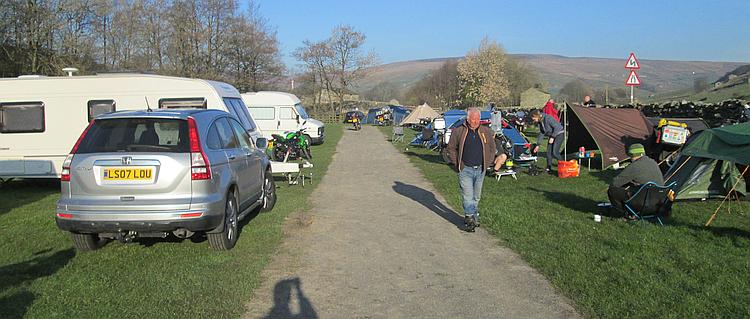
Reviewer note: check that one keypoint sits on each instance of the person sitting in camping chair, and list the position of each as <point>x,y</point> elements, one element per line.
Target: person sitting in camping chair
<point>641,170</point>
<point>501,154</point>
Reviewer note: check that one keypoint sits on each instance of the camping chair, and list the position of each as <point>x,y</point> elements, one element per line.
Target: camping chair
<point>398,134</point>
<point>651,200</point>
<point>427,135</point>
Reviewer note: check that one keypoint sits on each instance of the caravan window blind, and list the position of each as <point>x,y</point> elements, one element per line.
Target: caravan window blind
<point>22,117</point>
<point>181,103</point>
<point>99,107</point>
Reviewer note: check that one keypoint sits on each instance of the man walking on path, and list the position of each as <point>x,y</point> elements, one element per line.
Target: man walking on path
<point>471,150</point>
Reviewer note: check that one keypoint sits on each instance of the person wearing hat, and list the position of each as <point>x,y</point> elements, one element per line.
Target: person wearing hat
<point>641,170</point>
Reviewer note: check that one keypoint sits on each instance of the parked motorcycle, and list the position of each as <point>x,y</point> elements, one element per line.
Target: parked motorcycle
<point>291,146</point>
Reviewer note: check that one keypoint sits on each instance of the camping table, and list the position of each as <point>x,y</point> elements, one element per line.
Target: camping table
<point>511,173</point>
<point>587,158</point>
<point>292,171</point>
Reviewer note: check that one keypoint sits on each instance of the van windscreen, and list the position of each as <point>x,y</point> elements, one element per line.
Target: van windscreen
<point>136,135</point>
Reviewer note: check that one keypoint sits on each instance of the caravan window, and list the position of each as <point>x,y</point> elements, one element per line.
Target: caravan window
<point>181,103</point>
<point>22,117</point>
<point>99,107</point>
<point>263,113</point>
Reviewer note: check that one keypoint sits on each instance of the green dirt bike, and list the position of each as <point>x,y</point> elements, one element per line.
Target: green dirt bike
<point>291,146</point>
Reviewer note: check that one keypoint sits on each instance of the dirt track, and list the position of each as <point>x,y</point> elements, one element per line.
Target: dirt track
<point>379,242</point>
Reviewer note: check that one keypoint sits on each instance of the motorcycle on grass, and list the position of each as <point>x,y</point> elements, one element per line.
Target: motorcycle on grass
<point>291,146</point>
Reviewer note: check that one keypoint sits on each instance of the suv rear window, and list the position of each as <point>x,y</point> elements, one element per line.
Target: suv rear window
<point>136,135</point>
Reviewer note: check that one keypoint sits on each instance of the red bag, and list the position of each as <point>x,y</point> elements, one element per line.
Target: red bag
<point>567,169</point>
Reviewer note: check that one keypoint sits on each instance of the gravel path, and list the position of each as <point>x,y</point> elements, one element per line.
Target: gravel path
<point>379,242</point>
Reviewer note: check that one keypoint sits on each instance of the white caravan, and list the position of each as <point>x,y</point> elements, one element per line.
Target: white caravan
<point>279,112</point>
<point>42,117</point>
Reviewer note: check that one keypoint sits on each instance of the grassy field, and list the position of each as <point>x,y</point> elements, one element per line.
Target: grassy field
<point>41,275</point>
<point>613,269</point>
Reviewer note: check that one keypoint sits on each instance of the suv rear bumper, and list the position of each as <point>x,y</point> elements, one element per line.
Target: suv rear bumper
<point>86,222</point>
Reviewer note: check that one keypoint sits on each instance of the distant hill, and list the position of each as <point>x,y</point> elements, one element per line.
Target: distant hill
<point>735,84</point>
<point>658,76</point>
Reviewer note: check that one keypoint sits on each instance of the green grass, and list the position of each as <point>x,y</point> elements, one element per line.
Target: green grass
<point>41,275</point>
<point>613,269</point>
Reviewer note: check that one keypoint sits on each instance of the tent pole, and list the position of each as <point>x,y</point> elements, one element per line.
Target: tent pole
<point>713,216</point>
<point>679,168</point>
<point>565,129</point>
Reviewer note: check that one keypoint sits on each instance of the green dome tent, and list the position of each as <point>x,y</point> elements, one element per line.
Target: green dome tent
<point>713,164</point>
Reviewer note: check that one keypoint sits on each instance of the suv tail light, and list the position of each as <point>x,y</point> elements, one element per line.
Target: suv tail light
<point>65,173</point>
<point>199,165</point>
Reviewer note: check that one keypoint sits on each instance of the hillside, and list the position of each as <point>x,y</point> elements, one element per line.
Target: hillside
<point>658,76</point>
<point>732,85</point>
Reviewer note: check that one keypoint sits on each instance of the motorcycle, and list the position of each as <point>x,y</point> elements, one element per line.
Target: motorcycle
<point>291,146</point>
<point>357,124</point>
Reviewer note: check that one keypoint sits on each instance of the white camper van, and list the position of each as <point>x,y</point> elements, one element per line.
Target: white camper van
<point>279,112</point>
<point>41,117</point>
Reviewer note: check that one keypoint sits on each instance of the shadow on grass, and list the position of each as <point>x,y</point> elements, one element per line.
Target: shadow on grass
<point>570,200</point>
<point>432,157</point>
<point>605,176</point>
<point>19,274</point>
<point>282,301</point>
<point>728,232</point>
<point>17,193</point>
<point>427,199</point>
<point>197,237</point>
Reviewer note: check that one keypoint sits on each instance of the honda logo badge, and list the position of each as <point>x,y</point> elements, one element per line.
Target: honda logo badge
<point>126,160</point>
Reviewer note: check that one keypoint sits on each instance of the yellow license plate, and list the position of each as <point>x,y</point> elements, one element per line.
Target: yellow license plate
<point>128,174</point>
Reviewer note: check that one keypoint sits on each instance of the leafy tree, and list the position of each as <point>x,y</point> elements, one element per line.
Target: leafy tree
<point>482,75</point>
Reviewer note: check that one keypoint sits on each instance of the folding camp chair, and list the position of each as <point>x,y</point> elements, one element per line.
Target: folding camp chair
<point>398,134</point>
<point>651,201</point>
<point>427,135</point>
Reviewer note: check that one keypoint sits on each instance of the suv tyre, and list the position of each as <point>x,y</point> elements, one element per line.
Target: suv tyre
<point>227,238</point>
<point>269,193</point>
<point>85,242</point>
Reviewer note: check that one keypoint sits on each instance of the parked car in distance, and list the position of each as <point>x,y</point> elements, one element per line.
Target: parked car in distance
<point>151,173</point>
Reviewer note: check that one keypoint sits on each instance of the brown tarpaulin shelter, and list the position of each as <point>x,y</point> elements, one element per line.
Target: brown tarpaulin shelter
<point>608,130</point>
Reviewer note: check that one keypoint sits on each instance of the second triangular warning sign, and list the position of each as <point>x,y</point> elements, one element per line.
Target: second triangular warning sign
<point>633,79</point>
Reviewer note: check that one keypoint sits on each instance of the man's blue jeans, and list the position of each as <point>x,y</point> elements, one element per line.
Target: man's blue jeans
<point>470,180</point>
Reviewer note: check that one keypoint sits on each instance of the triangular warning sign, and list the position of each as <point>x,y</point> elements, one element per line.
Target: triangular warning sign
<point>633,79</point>
<point>632,62</point>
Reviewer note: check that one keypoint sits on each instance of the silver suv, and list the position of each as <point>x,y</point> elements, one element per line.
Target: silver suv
<point>151,173</point>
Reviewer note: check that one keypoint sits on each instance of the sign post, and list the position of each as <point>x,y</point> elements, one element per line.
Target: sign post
<point>633,79</point>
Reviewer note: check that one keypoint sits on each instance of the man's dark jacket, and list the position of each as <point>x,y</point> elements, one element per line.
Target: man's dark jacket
<point>640,172</point>
<point>456,145</point>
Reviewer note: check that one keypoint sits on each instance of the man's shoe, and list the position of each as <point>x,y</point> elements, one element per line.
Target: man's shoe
<point>469,224</point>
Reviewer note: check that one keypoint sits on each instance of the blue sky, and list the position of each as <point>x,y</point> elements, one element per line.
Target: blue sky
<point>407,30</point>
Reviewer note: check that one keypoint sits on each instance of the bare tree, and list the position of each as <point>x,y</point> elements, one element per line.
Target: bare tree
<point>337,62</point>
<point>349,60</point>
<point>209,39</point>
<point>440,88</point>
